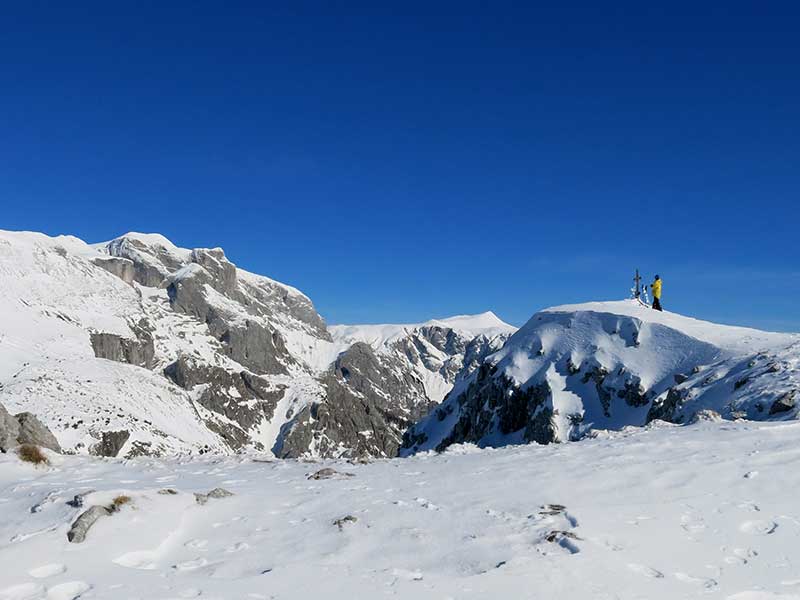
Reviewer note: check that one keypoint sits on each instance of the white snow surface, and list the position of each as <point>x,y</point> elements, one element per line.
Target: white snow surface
<point>731,339</point>
<point>701,511</point>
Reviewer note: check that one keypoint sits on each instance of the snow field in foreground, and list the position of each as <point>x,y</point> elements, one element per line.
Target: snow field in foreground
<point>707,511</point>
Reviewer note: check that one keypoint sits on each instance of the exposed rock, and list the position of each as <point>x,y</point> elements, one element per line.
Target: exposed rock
<point>215,493</point>
<point>328,473</point>
<point>121,267</point>
<point>552,509</point>
<point>369,405</point>
<point>111,443</point>
<point>139,351</point>
<point>496,405</point>
<point>78,500</point>
<point>80,528</point>
<point>168,492</point>
<point>556,536</point>
<point>244,398</point>
<point>667,409</point>
<point>9,430</point>
<point>707,415</point>
<point>140,448</point>
<point>33,431</point>
<point>152,263</point>
<point>340,523</point>
<point>783,404</point>
<point>250,343</point>
<point>221,270</point>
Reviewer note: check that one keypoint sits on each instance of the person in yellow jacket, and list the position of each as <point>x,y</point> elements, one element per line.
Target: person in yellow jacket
<point>656,287</point>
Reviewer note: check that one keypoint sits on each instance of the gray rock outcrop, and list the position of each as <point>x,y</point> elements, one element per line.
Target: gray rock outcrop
<point>246,400</point>
<point>784,403</point>
<point>139,351</point>
<point>216,493</point>
<point>9,430</point>
<point>111,443</point>
<point>121,267</point>
<point>24,428</point>
<point>368,407</point>
<point>80,528</point>
<point>33,431</point>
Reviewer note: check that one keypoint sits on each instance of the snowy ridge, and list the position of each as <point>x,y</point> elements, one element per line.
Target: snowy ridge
<point>607,365</point>
<point>382,335</point>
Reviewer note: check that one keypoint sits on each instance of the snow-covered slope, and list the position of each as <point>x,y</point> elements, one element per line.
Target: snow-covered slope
<point>611,364</point>
<point>177,350</point>
<point>667,512</point>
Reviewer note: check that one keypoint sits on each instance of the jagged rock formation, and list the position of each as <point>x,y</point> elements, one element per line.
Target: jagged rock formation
<point>609,365</point>
<point>136,346</point>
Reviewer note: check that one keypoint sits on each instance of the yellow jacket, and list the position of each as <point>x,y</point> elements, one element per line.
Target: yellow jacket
<point>656,289</point>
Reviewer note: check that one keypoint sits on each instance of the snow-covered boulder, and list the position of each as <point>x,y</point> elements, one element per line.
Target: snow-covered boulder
<point>607,366</point>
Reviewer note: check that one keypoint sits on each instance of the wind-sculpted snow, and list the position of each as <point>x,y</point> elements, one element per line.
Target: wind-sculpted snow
<point>661,513</point>
<point>136,346</point>
<point>578,368</point>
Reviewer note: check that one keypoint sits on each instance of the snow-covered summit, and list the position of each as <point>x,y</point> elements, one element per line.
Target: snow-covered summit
<point>605,365</point>
<point>487,324</point>
<point>727,337</point>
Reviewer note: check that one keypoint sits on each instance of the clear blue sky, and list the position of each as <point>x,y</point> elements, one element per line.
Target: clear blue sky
<point>398,162</point>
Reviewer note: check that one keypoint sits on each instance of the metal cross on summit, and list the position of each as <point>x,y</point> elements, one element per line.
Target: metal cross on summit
<point>637,291</point>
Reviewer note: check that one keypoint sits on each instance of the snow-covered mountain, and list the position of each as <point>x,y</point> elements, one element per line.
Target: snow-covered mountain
<point>136,346</point>
<point>441,351</point>
<point>574,369</point>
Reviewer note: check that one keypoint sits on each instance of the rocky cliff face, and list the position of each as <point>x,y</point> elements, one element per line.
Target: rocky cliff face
<point>576,369</point>
<point>136,346</point>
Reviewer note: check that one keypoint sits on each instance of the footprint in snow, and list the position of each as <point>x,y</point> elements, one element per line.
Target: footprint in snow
<point>758,527</point>
<point>706,582</point>
<point>237,547</point>
<point>72,590</point>
<point>645,570</point>
<point>47,571</point>
<point>196,544</point>
<point>191,565</point>
<point>142,559</point>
